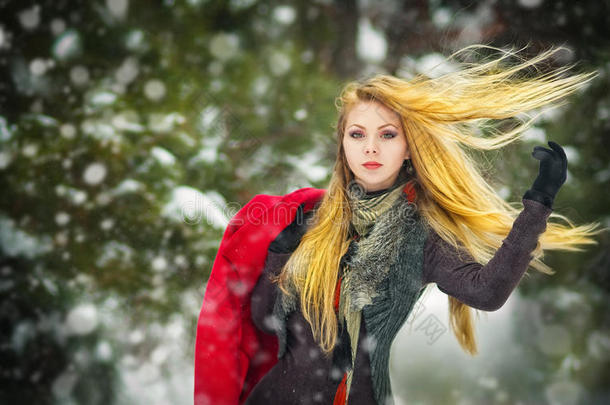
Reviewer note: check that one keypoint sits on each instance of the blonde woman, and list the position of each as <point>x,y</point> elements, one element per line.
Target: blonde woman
<point>302,308</point>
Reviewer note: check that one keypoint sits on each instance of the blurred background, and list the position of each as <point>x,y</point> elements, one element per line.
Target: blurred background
<point>131,131</point>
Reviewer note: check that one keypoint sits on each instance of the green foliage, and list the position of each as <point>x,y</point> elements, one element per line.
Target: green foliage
<point>222,100</point>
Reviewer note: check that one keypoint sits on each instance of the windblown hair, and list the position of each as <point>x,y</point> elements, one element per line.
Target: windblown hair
<point>441,117</point>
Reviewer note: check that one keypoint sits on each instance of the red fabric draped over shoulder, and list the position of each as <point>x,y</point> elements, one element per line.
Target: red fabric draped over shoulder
<point>231,354</point>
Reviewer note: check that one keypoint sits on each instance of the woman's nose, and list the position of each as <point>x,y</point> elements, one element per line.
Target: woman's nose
<point>370,147</point>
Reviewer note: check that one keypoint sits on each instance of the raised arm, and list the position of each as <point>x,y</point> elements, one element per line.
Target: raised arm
<point>486,287</point>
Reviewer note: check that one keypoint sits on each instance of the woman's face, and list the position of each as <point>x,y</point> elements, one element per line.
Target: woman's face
<point>375,145</point>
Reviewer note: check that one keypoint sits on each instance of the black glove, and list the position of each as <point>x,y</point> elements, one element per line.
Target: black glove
<point>552,174</point>
<point>290,237</point>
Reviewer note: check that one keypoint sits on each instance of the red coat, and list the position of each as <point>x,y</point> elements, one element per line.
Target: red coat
<point>231,354</point>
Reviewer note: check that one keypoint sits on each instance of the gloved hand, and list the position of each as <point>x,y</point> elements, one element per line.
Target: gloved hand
<point>290,237</point>
<point>551,176</point>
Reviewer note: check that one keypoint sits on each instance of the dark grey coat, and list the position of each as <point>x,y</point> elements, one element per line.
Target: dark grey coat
<point>304,376</point>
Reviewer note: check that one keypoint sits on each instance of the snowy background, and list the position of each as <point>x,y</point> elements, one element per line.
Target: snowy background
<point>132,131</point>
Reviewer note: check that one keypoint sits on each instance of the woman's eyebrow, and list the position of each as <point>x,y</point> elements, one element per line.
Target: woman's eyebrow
<point>379,127</point>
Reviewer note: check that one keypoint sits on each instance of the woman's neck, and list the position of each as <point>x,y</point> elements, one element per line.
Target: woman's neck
<point>401,179</point>
<point>378,192</point>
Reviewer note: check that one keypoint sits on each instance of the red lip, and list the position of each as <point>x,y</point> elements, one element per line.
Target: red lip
<point>372,165</point>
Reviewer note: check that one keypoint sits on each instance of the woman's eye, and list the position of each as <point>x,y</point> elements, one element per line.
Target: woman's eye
<point>385,135</point>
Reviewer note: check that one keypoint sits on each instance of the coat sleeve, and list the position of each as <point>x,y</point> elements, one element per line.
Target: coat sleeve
<point>486,287</point>
<point>265,293</point>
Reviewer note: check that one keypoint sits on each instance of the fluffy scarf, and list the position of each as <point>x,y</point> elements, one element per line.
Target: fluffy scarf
<point>366,263</point>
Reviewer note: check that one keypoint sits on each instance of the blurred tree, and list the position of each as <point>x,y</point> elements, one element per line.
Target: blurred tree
<point>131,131</point>
<point>46,359</point>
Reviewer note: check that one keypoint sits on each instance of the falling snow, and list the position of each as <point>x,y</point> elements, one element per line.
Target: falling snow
<point>79,75</point>
<point>38,67</point>
<point>30,18</point>
<point>300,114</point>
<point>57,26</point>
<point>62,218</point>
<point>5,159</point>
<point>128,71</point>
<point>67,45</point>
<point>64,384</point>
<point>30,150</point>
<point>441,17</point>
<point>94,173</point>
<point>104,351</point>
<point>118,8</point>
<point>260,85</point>
<point>284,14</point>
<point>154,90</point>
<point>135,40</point>
<point>530,3</point>
<point>107,224</point>
<point>68,131</point>
<point>5,38</point>
<point>82,319</point>
<point>159,264</point>
<point>224,46</point>
<point>83,108</point>
<point>279,63</point>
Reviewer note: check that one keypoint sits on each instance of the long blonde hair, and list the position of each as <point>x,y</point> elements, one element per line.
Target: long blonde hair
<point>441,117</point>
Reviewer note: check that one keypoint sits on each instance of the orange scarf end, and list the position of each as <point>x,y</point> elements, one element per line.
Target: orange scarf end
<point>341,392</point>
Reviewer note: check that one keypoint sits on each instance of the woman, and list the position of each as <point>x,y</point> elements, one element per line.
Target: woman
<point>406,207</point>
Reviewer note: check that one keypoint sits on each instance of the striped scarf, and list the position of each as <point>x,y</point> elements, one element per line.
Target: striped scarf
<point>366,208</point>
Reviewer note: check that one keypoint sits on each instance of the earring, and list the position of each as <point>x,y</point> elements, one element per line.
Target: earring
<point>409,166</point>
